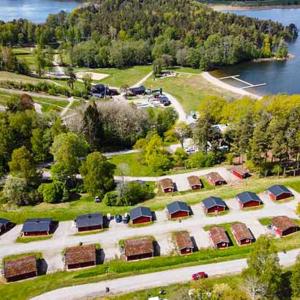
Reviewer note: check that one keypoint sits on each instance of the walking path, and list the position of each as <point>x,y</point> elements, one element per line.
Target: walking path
<point>139,83</point>
<point>66,109</point>
<point>157,279</point>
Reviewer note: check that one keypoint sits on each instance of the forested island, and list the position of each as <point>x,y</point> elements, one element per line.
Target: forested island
<point>122,33</point>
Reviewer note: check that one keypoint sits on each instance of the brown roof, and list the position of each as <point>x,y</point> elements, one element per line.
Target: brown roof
<point>283,223</point>
<point>183,240</point>
<point>80,254</point>
<point>218,235</point>
<point>214,176</point>
<point>240,170</point>
<point>194,180</point>
<point>241,232</point>
<point>166,183</point>
<point>20,266</point>
<point>138,246</point>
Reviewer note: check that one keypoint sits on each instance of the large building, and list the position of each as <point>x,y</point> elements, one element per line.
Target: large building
<point>248,199</point>
<point>279,192</point>
<point>283,226</point>
<point>89,222</point>
<point>20,268</point>
<point>80,256</point>
<point>178,209</point>
<point>141,214</point>
<point>138,248</point>
<point>242,234</point>
<point>39,226</point>
<point>214,205</point>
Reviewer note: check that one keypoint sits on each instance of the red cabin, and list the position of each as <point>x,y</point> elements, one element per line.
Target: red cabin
<point>219,237</point>
<point>283,226</point>
<point>279,192</point>
<point>242,234</point>
<point>141,214</point>
<point>184,242</point>
<point>178,209</point>
<point>240,172</point>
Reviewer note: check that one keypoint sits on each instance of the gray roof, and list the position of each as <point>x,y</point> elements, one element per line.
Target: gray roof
<point>278,189</point>
<point>247,197</point>
<point>89,220</point>
<point>37,225</point>
<point>177,206</point>
<point>4,221</point>
<point>213,201</point>
<point>140,211</point>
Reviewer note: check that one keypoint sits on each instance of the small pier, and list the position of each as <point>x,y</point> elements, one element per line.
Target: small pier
<point>248,85</point>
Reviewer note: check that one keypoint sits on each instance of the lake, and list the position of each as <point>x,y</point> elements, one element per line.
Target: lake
<point>280,76</point>
<point>34,10</point>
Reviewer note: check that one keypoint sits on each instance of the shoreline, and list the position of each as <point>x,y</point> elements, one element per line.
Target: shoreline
<point>230,7</point>
<point>217,82</point>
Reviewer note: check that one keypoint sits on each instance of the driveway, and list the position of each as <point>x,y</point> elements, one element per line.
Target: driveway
<point>161,230</point>
<point>157,279</point>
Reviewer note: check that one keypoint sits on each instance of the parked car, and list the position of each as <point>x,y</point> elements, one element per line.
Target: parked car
<point>199,275</point>
<point>97,199</point>
<point>126,219</point>
<point>118,218</point>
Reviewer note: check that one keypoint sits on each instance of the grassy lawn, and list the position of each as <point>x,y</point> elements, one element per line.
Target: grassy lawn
<point>121,77</point>
<point>9,76</point>
<point>70,210</point>
<point>29,239</point>
<point>25,55</point>
<point>118,268</point>
<point>189,89</point>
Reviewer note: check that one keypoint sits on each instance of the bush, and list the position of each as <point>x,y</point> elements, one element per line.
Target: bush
<point>52,192</point>
<point>111,198</point>
<point>201,160</point>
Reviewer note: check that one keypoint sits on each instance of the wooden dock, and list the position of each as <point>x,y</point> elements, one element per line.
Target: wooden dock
<point>248,85</point>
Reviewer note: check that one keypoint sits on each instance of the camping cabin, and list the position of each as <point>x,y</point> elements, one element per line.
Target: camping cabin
<point>219,237</point>
<point>240,172</point>
<point>242,234</point>
<point>283,226</point>
<point>35,227</point>
<point>89,222</point>
<point>214,205</point>
<point>138,248</point>
<point>178,209</point>
<point>20,268</point>
<point>184,242</point>
<point>166,185</point>
<point>195,182</point>
<point>215,178</point>
<point>279,192</point>
<point>248,199</point>
<point>141,214</point>
<point>80,256</point>
<point>5,225</point>
<point>135,91</point>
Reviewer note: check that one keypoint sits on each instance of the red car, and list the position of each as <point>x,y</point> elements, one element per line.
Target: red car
<point>199,275</point>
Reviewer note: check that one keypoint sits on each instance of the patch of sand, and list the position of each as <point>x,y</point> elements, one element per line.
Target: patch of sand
<point>94,76</point>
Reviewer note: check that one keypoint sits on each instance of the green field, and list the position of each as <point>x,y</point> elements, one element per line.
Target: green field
<point>70,210</point>
<point>121,77</point>
<point>26,55</point>
<point>189,89</point>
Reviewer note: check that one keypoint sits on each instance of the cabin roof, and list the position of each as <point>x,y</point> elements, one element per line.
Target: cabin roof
<point>89,220</point>
<point>245,197</point>
<point>20,266</point>
<point>140,211</point>
<point>213,201</point>
<point>138,246</point>
<point>177,206</point>
<point>37,225</point>
<point>80,254</point>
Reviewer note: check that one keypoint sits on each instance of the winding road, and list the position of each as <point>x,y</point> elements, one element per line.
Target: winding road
<point>157,279</point>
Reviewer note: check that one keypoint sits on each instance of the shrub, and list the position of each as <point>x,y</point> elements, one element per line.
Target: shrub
<point>201,160</point>
<point>52,192</point>
<point>111,198</point>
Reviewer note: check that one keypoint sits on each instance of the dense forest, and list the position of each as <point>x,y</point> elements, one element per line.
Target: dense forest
<point>118,33</point>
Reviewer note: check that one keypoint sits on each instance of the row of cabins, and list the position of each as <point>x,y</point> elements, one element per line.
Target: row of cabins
<point>141,248</point>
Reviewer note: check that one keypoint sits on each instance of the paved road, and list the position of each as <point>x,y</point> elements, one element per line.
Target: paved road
<point>182,117</point>
<point>157,279</point>
<point>161,229</point>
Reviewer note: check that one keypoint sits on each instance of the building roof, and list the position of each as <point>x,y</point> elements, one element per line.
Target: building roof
<point>245,197</point>
<point>218,235</point>
<point>183,240</point>
<point>194,180</point>
<point>37,225</point>
<point>140,211</point>
<point>279,189</point>
<point>240,170</point>
<point>213,201</point>
<point>214,176</point>
<point>166,183</point>
<point>89,220</point>
<point>80,254</point>
<point>20,266</point>
<point>283,223</point>
<point>241,231</point>
<point>4,221</point>
<point>138,89</point>
<point>138,246</point>
<point>177,206</point>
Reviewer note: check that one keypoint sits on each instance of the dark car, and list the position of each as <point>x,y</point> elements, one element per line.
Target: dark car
<point>126,219</point>
<point>118,218</point>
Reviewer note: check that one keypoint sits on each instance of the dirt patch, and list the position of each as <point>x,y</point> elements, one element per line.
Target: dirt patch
<point>94,76</point>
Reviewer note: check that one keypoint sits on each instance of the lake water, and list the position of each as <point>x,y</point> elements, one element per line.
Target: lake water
<point>34,10</point>
<point>280,76</point>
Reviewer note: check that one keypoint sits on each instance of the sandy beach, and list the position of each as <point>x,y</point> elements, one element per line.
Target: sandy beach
<point>215,81</point>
